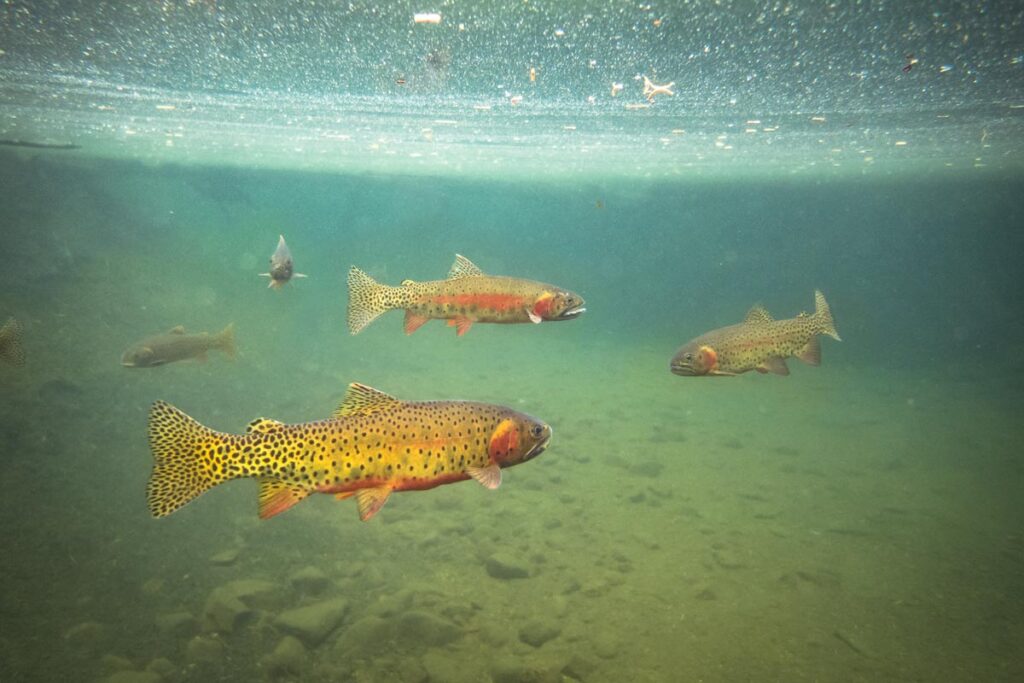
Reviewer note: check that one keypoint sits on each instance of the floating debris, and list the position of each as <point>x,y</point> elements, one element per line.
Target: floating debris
<point>652,89</point>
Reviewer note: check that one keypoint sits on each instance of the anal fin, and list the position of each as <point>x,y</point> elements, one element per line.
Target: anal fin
<point>371,500</point>
<point>413,321</point>
<point>462,326</point>
<point>775,365</point>
<point>811,352</point>
<point>276,496</point>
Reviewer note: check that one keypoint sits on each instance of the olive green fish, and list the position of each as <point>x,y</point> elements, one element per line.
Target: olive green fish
<point>176,345</point>
<point>465,297</point>
<point>372,445</point>
<point>758,343</point>
<point>11,350</point>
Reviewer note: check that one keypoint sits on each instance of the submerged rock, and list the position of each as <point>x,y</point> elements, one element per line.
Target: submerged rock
<point>536,632</point>
<point>287,659</point>
<point>89,635</point>
<point>441,666</point>
<point>516,672</point>
<point>362,635</point>
<point>162,666</point>
<point>309,580</point>
<point>204,649</point>
<point>230,606</point>
<point>134,677</point>
<point>225,557</point>
<point>115,663</point>
<point>225,612</point>
<point>425,629</point>
<point>176,624</point>
<point>504,566</point>
<point>314,622</point>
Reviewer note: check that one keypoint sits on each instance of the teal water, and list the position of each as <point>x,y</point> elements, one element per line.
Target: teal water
<point>855,521</point>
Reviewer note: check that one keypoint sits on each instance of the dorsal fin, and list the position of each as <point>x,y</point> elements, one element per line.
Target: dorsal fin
<point>177,329</point>
<point>757,314</point>
<point>264,425</point>
<point>463,267</point>
<point>363,400</point>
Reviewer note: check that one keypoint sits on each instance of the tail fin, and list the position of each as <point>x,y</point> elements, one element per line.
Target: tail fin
<point>823,314</point>
<point>184,460</point>
<point>367,299</point>
<point>226,340</point>
<point>11,349</point>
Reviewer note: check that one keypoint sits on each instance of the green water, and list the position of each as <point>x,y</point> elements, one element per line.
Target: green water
<point>856,521</point>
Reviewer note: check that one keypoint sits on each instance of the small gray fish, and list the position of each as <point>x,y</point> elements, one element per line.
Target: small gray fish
<point>176,345</point>
<point>11,350</point>
<point>281,267</point>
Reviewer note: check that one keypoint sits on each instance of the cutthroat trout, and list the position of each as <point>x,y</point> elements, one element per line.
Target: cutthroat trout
<point>176,345</point>
<point>11,350</point>
<point>758,343</point>
<point>467,296</point>
<point>372,445</point>
<point>282,268</point>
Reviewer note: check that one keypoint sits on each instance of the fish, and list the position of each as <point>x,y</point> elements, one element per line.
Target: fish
<point>11,349</point>
<point>282,269</point>
<point>175,345</point>
<point>758,343</point>
<point>372,445</point>
<point>467,296</point>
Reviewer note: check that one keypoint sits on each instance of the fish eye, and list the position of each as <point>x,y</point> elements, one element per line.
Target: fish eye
<point>688,356</point>
<point>537,431</point>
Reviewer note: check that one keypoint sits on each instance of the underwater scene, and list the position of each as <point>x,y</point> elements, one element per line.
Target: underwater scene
<point>497,342</point>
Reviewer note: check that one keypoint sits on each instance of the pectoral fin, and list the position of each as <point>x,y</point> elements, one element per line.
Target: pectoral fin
<point>489,476</point>
<point>534,318</point>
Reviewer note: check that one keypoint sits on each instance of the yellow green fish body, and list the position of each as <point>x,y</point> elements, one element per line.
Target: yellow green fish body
<point>373,444</point>
<point>758,343</point>
<point>465,297</point>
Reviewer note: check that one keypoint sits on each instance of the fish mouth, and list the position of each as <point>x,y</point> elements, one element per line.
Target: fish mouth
<point>682,369</point>
<point>540,446</point>
<point>570,313</point>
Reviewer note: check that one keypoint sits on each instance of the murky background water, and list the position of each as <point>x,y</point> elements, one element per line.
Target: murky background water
<point>855,521</point>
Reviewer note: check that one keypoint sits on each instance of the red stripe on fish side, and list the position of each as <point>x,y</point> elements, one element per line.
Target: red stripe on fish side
<point>496,302</point>
<point>424,483</point>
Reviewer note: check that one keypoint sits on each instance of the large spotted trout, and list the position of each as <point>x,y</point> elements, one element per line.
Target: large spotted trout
<point>758,343</point>
<point>372,445</point>
<point>467,296</point>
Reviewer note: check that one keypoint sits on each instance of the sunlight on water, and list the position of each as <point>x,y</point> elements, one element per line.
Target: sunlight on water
<point>517,90</point>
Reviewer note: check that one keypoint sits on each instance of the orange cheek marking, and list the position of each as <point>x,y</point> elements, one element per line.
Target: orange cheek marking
<point>542,307</point>
<point>504,440</point>
<point>711,356</point>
